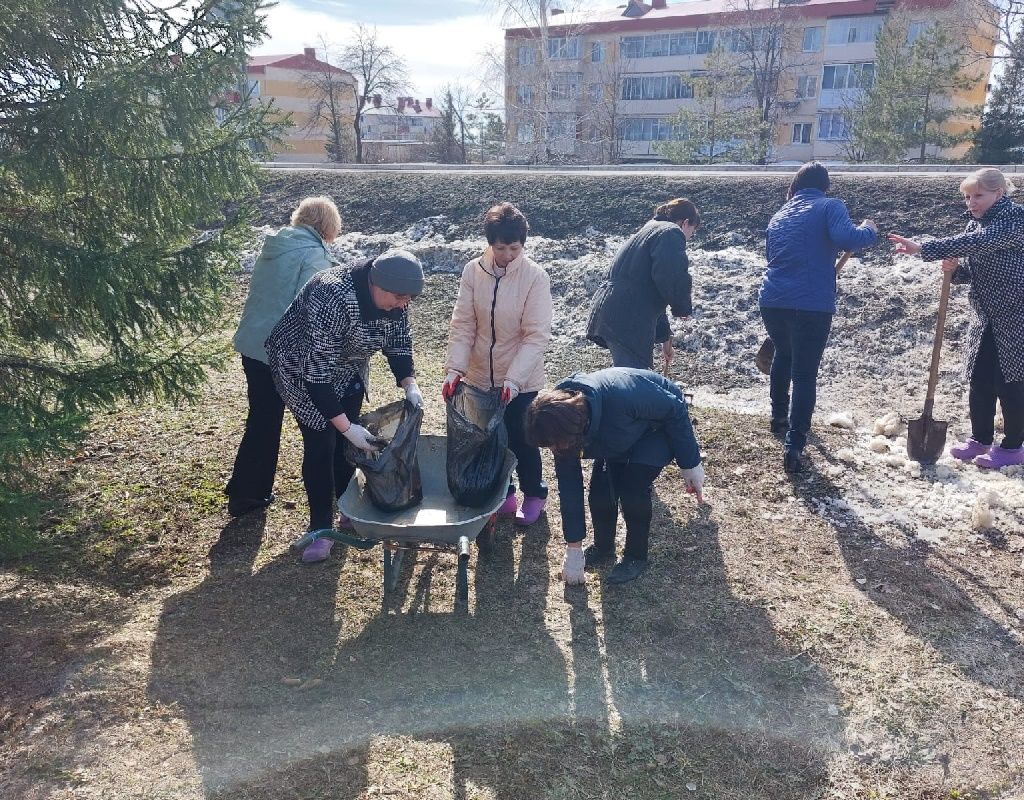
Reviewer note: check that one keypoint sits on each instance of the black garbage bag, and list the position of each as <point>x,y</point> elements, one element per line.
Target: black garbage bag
<point>393,473</point>
<point>477,441</point>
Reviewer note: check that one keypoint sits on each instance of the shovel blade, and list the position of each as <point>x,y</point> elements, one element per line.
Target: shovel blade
<point>926,438</point>
<point>765,356</point>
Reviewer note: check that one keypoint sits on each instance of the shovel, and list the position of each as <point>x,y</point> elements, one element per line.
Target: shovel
<point>767,350</point>
<point>926,437</point>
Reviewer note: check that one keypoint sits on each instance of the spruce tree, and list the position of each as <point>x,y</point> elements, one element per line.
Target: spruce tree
<point>1000,139</point>
<point>124,160</point>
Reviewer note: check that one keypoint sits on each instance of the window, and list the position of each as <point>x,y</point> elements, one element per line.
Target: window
<point>802,133</point>
<point>597,52</point>
<point>745,40</point>
<point>524,95</point>
<point>848,76</point>
<point>806,86</point>
<point>812,40</point>
<point>915,29</point>
<point>682,44</point>
<point>595,92</point>
<point>561,126</point>
<point>563,47</point>
<point>832,126</point>
<point>655,46</point>
<point>565,85</point>
<point>524,133</point>
<point>632,46</point>
<point>853,30</point>
<point>647,129</point>
<point>705,41</point>
<point>655,87</point>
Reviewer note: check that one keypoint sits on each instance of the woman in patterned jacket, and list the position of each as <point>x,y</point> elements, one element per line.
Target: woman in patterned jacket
<point>992,249</point>
<point>320,353</point>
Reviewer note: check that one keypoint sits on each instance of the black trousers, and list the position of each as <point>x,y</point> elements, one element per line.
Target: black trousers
<point>325,472</point>
<point>988,385</point>
<point>528,469</point>
<point>256,461</point>
<point>618,483</point>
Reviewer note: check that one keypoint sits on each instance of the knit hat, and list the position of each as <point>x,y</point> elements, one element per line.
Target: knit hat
<point>398,272</point>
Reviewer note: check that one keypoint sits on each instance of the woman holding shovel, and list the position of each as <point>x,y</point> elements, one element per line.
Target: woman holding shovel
<point>992,249</point>
<point>798,297</point>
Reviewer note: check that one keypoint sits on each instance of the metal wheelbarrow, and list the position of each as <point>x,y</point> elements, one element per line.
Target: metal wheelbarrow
<point>437,524</point>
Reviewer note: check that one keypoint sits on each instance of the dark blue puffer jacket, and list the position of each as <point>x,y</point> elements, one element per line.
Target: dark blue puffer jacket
<point>635,415</point>
<point>803,240</point>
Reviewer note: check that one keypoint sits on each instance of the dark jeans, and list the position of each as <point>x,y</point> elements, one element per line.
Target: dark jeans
<point>988,385</point>
<point>256,461</point>
<point>799,338</point>
<point>529,467</point>
<point>325,472</point>
<point>623,356</point>
<point>615,484</point>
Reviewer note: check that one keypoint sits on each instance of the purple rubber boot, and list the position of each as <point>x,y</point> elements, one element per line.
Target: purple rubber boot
<point>530,512</point>
<point>509,507</point>
<point>318,551</point>
<point>1000,457</point>
<point>969,450</point>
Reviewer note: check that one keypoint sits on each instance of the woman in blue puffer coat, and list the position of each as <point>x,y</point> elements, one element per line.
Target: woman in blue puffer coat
<point>798,297</point>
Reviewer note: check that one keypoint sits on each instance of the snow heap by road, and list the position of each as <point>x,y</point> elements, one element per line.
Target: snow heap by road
<point>872,379</point>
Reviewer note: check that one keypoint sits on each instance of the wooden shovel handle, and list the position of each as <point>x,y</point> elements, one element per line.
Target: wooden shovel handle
<point>940,327</point>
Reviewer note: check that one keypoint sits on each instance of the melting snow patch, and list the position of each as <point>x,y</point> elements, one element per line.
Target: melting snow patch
<point>843,419</point>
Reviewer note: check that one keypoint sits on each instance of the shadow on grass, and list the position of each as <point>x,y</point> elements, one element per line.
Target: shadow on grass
<point>931,607</point>
<point>676,688</point>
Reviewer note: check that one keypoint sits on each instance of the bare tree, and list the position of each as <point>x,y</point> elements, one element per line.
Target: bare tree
<point>332,94</point>
<point>377,68</point>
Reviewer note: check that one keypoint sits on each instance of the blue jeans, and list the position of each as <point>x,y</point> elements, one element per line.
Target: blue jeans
<point>799,338</point>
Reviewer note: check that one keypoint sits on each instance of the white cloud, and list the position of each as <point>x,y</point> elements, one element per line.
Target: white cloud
<point>436,53</point>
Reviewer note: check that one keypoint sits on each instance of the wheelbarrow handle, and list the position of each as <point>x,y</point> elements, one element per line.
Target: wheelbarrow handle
<point>338,536</point>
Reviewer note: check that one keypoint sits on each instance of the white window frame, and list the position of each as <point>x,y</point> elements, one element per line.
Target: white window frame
<point>852,30</point>
<point>832,126</point>
<point>806,87</point>
<point>706,41</point>
<point>802,132</point>
<point>524,96</point>
<point>565,86</point>
<point>596,52</point>
<point>524,133</point>
<point>525,55</point>
<point>812,39</point>
<point>848,76</point>
<point>564,48</point>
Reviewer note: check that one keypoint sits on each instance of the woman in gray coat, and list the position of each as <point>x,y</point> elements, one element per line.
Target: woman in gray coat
<point>989,256</point>
<point>649,272</point>
<point>289,258</point>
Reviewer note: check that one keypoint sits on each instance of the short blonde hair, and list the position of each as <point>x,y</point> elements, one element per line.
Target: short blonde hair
<point>988,178</point>
<point>320,214</point>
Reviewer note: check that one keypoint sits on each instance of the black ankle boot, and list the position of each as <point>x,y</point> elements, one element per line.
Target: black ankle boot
<point>779,426</point>
<point>791,461</point>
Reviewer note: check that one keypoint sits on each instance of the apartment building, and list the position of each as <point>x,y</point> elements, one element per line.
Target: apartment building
<point>607,87</point>
<point>285,80</point>
<point>399,132</point>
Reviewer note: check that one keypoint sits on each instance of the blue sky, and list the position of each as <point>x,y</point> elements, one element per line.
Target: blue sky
<point>442,41</point>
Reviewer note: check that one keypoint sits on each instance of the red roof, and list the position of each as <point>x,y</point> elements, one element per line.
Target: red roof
<point>696,13</point>
<point>301,61</point>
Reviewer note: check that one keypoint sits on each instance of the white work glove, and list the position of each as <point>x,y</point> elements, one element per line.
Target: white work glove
<point>450,382</point>
<point>572,567</point>
<point>509,392</point>
<point>414,395</point>
<point>694,480</point>
<point>362,438</point>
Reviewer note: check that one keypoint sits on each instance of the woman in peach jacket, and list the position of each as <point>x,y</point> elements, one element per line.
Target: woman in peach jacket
<point>499,330</point>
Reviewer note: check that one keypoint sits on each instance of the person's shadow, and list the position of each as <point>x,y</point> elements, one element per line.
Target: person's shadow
<point>931,607</point>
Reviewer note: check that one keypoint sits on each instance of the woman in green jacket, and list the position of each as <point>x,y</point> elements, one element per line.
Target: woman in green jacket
<point>288,260</point>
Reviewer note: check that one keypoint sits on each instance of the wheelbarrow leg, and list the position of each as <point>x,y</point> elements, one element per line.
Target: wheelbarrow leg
<point>462,575</point>
<point>392,568</point>
<point>485,539</point>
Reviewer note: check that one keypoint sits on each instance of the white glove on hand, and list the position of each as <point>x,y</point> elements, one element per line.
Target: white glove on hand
<point>694,480</point>
<point>509,392</point>
<point>414,395</point>
<point>362,438</point>
<point>572,567</point>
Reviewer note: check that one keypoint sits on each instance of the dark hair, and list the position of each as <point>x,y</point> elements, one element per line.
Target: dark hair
<point>505,223</point>
<point>678,210</point>
<point>557,418</point>
<point>811,175</point>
